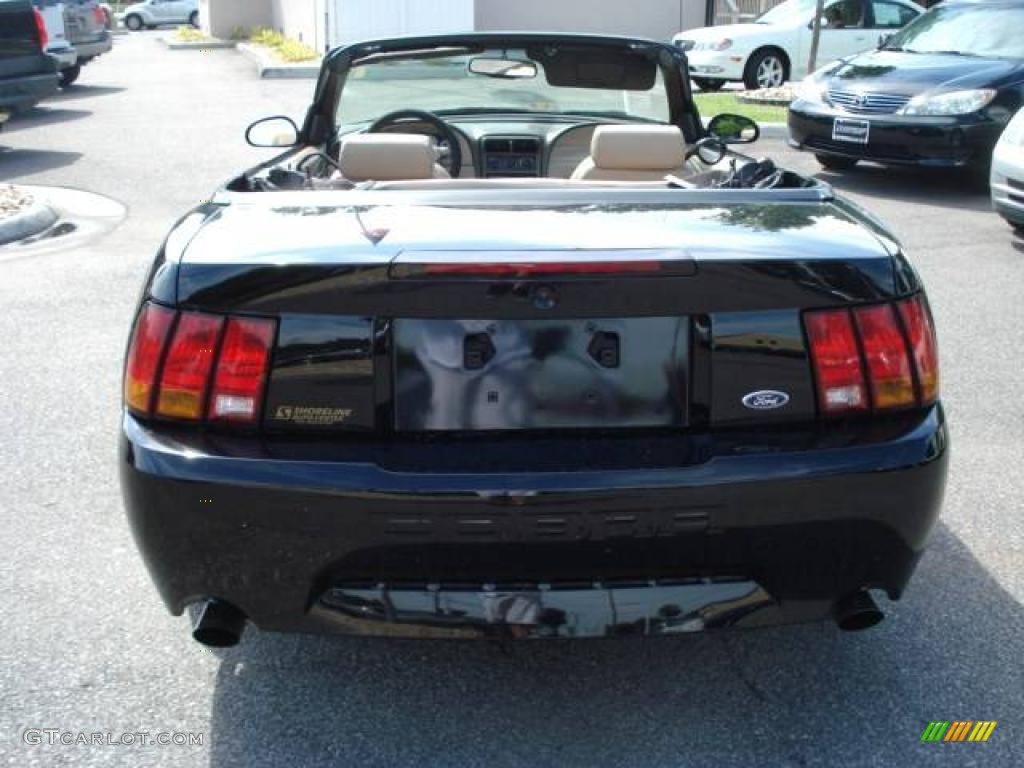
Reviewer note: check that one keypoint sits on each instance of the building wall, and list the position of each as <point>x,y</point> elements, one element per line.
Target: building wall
<point>220,17</point>
<point>657,19</point>
<point>301,20</point>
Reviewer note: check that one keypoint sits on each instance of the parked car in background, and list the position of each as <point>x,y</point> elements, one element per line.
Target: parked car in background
<point>87,30</point>
<point>78,33</point>
<point>154,13</point>
<point>57,46</point>
<point>1008,173</point>
<point>937,94</point>
<point>27,74</point>
<point>775,48</point>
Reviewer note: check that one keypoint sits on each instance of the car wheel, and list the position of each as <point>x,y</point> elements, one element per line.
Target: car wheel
<point>766,69</point>
<point>69,75</point>
<point>709,86</point>
<point>834,163</point>
<point>133,22</point>
<point>194,19</point>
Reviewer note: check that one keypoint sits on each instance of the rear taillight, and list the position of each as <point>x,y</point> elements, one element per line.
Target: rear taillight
<point>885,352</point>
<point>880,357</point>
<point>100,16</point>
<point>923,348</point>
<point>144,354</point>
<point>241,370</point>
<point>186,371</point>
<point>41,33</point>
<point>208,366</point>
<point>837,362</point>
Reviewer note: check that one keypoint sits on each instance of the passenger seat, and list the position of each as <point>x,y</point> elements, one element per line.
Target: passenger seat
<point>634,153</point>
<point>389,157</point>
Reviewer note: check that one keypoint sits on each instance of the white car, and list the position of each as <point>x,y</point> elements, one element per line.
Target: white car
<point>1008,173</point>
<point>155,13</point>
<point>774,48</point>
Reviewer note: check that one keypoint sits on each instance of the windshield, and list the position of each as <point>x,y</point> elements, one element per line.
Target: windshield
<point>445,85</point>
<point>789,12</point>
<point>970,30</point>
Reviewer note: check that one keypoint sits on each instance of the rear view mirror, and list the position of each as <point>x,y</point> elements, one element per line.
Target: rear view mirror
<point>279,131</point>
<point>509,69</point>
<point>733,129</point>
<point>883,39</point>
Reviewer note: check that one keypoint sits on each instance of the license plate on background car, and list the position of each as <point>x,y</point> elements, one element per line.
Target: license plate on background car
<point>854,131</point>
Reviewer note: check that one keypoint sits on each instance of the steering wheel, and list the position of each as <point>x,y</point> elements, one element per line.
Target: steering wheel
<point>452,159</point>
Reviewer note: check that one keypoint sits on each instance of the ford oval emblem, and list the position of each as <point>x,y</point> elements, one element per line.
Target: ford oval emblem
<point>765,400</point>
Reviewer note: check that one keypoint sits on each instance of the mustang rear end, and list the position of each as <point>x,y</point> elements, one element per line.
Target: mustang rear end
<point>541,357</point>
<point>635,415</point>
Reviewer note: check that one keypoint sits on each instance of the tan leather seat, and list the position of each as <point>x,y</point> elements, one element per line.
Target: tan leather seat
<point>634,153</point>
<point>389,157</point>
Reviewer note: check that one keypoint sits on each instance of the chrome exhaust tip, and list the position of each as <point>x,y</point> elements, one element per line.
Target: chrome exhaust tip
<point>857,611</point>
<point>218,624</point>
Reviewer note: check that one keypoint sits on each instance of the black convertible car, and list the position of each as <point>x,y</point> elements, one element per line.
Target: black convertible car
<point>936,94</point>
<point>508,342</point>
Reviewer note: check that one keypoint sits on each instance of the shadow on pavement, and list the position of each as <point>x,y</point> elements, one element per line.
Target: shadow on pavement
<point>40,116</point>
<point>15,163</point>
<point>806,695</point>
<point>944,188</point>
<point>84,91</point>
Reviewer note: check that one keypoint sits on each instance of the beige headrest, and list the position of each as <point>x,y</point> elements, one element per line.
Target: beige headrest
<point>387,157</point>
<point>638,147</point>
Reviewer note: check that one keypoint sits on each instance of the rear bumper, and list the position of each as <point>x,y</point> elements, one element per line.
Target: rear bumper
<point>21,91</point>
<point>937,142</point>
<point>93,48</point>
<point>742,536</point>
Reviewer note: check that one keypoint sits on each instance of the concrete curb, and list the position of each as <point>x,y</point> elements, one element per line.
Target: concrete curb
<point>197,45</point>
<point>269,67</point>
<point>38,218</point>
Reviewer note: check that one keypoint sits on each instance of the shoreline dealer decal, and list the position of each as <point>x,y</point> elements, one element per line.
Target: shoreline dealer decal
<point>958,730</point>
<point>304,415</point>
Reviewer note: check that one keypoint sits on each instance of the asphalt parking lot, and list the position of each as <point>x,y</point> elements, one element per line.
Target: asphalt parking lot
<point>86,645</point>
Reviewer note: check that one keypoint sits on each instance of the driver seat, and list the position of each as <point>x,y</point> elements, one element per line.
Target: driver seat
<point>389,157</point>
<point>634,153</point>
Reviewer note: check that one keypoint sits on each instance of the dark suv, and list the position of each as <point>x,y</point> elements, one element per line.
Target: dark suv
<point>27,75</point>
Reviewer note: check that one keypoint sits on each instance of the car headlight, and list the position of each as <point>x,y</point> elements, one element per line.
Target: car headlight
<point>951,103</point>
<point>714,45</point>
<point>811,89</point>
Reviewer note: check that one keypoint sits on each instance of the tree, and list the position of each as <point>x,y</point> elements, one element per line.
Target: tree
<point>812,60</point>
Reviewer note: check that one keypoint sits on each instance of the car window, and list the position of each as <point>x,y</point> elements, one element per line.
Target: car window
<point>891,15</point>
<point>845,14</point>
<point>968,30</point>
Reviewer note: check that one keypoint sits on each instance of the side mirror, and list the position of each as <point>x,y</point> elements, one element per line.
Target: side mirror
<point>883,39</point>
<point>279,131</point>
<point>710,150</point>
<point>733,129</point>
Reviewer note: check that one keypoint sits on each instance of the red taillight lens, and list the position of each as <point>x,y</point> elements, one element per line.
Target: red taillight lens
<point>186,372</point>
<point>923,346</point>
<point>242,370</point>
<point>885,352</point>
<point>41,33</point>
<point>144,352</point>
<point>100,16</point>
<point>837,364</point>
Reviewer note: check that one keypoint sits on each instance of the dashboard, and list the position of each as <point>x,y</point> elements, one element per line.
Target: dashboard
<point>514,147</point>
